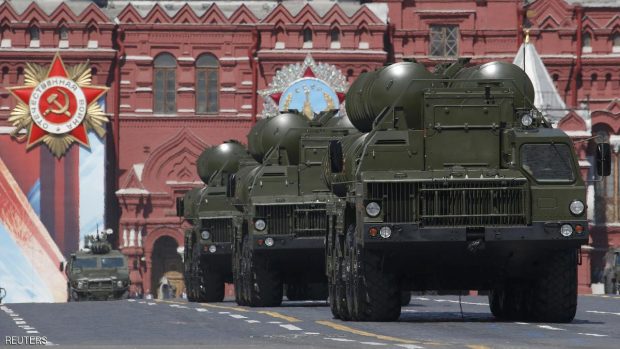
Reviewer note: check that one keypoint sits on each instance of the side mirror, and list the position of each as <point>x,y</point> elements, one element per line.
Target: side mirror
<point>180,207</point>
<point>336,157</point>
<point>603,159</point>
<point>231,186</point>
<point>62,266</point>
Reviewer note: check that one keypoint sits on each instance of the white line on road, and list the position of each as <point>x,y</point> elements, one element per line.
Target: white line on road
<point>547,327</point>
<point>252,321</point>
<point>457,302</point>
<point>202,310</point>
<point>593,334</point>
<point>142,302</point>
<point>291,327</point>
<point>339,339</point>
<point>151,303</point>
<point>131,300</point>
<point>521,323</point>
<point>32,331</point>
<point>373,343</point>
<point>602,312</point>
<point>275,322</point>
<point>422,298</point>
<point>311,333</point>
<point>20,322</point>
<point>237,316</point>
<point>224,312</point>
<point>409,346</point>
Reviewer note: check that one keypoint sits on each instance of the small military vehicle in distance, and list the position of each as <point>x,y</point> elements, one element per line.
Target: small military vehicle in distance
<point>207,253</point>
<point>456,182</point>
<point>97,272</point>
<point>611,273</point>
<point>279,239</point>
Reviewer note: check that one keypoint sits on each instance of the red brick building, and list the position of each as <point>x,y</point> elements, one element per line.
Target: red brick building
<point>185,74</point>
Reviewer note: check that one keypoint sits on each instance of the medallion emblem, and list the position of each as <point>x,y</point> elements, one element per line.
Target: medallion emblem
<point>57,106</point>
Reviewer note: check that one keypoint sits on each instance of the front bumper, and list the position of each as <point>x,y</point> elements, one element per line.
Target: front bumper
<point>115,293</point>
<point>287,242</point>
<point>538,232</point>
<point>221,249</point>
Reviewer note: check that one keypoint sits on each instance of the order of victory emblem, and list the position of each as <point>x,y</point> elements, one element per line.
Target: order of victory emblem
<point>57,106</point>
<point>308,87</point>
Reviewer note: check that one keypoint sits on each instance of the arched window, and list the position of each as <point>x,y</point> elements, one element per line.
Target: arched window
<point>615,42</point>
<point>63,33</point>
<point>307,35</point>
<point>586,42</point>
<point>34,36</point>
<point>335,38</point>
<point>207,84</point>
<point>165,84</point>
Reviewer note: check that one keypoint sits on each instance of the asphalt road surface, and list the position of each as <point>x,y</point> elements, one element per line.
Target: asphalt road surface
<point>428,322</point>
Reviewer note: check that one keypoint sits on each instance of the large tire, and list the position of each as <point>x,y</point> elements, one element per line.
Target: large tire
<point>206,285</point>
<point>554,295</point>
<point>374,290</point>
<point>508,302</point>
<point>263,285</point>
<point>405,298</point>
<point>237,274</point>
<point>336,283</point>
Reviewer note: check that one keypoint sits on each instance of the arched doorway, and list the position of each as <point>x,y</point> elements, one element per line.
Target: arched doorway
<point>166,262</point>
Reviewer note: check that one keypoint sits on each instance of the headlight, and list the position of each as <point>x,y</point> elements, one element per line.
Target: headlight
<point>205,235</point>
<point>212,248</point>
<point>373,209</point>
<point>576,207</point>
<point>260,225</point>
<point>119,283</point>
<point>566,230</point>
<point>269,242</point>
<point>385,232</point>
<point>81,284</point>
<point>527,119</point>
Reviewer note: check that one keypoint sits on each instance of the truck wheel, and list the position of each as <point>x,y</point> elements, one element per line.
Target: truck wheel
<point>197,282</point>
<point>336,284</point>
<point>405,298</point>
<point>237,279</point>
<point>508,302</point>
<point>554,296</point>
<point>264,285</point>
<point>213,286</point>
<point>376,293</point>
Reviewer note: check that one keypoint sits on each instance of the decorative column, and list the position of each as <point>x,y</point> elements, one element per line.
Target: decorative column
<point>134,255</point>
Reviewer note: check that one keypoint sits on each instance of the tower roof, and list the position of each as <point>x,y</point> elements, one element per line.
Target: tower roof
<point>547,99</point>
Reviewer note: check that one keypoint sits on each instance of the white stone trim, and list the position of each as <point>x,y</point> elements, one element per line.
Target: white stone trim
<point>186,59</point>
<point>186,110</point>
<point>334,45</point>
<point>366,52</point>
<point>590,202</point>
<point>228,89</point>
<point>143,110</point>
<point>228,110</point>
<point>363,45</point>
<point>280,45</point>
<point>63,44</point>
<point>186,89</point>
<point>144,89</point>
<point>5,43</point>
<point>9,129</point>
<point>132,191</point>
<point>246,83</point>
<point>246,106</point>
<point>35,43</point>
<point>307,44</point>
<point>138,58</point>
<point>92,44</point>
<point>234,59</point>
<point>125,82</point>
<point>125,106</point>
<point>578,133</point>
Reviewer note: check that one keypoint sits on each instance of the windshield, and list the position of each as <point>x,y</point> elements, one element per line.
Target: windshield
<point>112,262</point>
<point>85,263</point>
<point>548,162</point>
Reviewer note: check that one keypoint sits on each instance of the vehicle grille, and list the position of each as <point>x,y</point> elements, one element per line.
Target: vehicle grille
<point>452,203</point>
<point>221,229</point>
<point>305,220</point>
<point>100,284</point>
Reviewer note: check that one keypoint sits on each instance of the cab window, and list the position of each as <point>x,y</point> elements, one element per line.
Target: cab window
<point>548,162</point>
<point>84,263</point>
<point>112,262</point>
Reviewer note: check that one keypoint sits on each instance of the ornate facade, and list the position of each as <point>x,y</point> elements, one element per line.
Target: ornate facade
<point>185,74</point>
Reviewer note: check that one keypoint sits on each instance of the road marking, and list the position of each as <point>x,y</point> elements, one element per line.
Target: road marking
<point>311,333</point>
<point>601,312</point>
<point>422,298</point>
<point>224,307</point>
<point>279,316</point>
<point>142,302</point>
<point>521,323</point>
<point>18,319</point>
<point>275,322</point>
<point>33,331</point>
<point>131,300</point>
<point>409,346</point>
<point>373,343</point>
<point>476,346</point>
<point>344,328</point>
<point>20,322</point>
<point>547,327</point>
<point>457,302</point>
<point>593,334</point>
<point>237,316</point>
<point>151,303</point>
<point>252,321</point>
<point>224,312</point>
<point>202,310</point>
<point>339,339</point>
<point>291,327</point>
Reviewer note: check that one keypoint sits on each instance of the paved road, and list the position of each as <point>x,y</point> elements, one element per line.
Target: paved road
<point>429,322</point>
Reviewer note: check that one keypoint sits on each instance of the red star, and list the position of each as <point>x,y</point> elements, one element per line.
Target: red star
<point>57,69</point>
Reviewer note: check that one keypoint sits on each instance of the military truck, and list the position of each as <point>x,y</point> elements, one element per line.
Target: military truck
<point>207,253</point>
<point>279,236</point>
<point>456,182</point>
<point>97,272</point>
<point>611,273</point>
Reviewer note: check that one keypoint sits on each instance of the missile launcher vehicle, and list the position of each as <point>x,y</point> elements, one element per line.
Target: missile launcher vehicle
<point>457,182</point>
<point>207,253</point>
<point>279,238</point>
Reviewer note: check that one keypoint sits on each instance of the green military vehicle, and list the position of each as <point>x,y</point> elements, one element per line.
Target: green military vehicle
<point>207,253</point>
<point>279,239</point>
<point>611,274</point>
<point>456,183</point>
<point>97,272</point>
